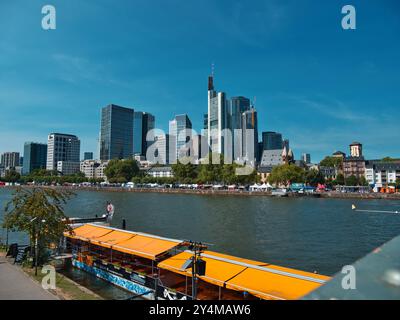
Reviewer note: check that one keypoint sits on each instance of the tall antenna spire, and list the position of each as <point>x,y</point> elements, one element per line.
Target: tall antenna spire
<point>212,69</point>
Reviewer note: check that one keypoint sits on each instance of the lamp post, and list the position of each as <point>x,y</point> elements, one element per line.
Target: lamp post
<point>36,231</point>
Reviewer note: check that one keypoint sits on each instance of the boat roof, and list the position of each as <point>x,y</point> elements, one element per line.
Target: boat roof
<point>263,280</point>
<point>140,244</point>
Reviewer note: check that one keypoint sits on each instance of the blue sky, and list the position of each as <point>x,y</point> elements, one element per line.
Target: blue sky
<point>319,85</point>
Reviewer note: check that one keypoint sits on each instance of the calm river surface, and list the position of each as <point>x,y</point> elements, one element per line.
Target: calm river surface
<point>306,233</point>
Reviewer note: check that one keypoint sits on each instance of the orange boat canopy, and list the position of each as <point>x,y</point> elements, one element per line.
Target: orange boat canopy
<point>139,244</point>
<point>260,279</point>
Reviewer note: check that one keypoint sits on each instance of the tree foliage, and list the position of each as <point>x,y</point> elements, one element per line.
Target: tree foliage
<point>121,171</point>
<point>12,176</point>
<point>314,177</point>
<point>334,162</point>
<point>339,180</point>
<point>38,212</point>
<point>286,174</point>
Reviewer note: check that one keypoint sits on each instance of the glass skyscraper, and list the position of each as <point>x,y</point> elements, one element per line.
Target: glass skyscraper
<point>272,140</point>
<point>250,136</point>
<point>143,122</point>
<point>180,133</point>
<point>238,106</point>
<point>116,133</point>
<point>218,118</point>
<point>35,157</point>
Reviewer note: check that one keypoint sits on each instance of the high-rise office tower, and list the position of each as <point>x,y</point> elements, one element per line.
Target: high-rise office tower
<point>180,130</point>
<point>35,157</point>
<point>10,159</point>
<point>250,136</point>
<point>218,114</point>
<point>306,157</point>
<point>116,133</point>
<point>161,154</point>
<point>272,141</point>
<point>88,156</point>
<point>62,147</point>
<point>238,106</point>
<point>143,123</point>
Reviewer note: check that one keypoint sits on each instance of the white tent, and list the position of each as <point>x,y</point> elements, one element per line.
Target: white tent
<point>265,186</point>
<point>254,187</point>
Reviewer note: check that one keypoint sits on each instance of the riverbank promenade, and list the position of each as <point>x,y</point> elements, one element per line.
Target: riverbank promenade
<point>16,285</point>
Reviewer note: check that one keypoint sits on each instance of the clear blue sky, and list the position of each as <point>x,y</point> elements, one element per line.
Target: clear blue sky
<point>319,85</point>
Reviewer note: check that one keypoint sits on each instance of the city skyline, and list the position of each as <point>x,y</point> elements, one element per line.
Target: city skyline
<point>319,100</point>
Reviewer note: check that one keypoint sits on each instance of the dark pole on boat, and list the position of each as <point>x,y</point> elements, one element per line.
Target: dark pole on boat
<point>123,224</point>
<point>194,278</point>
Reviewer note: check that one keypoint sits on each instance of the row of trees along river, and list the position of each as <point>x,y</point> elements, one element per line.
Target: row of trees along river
<point>122,171</point>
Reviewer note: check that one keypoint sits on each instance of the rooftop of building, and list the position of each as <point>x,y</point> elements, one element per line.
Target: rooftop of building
<point>353,159</point>
<point>63,134</point>
<point>265,169</point>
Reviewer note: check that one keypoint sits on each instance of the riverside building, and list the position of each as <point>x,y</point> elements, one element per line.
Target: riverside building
<point>62,147</point>
<point>116,133</point>
<point>35,157</point>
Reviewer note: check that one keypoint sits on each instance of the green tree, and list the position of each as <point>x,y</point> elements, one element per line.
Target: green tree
<point>121,170</point>
<point>286,174</point>
<point>363,181</point>
<point>351,181</point>
<point>389,159</point>
<point>38,212</point>
<point>314,177</point>
<point>12,176</point>
<point>339,180</point>
<point>334,162</point>
<point>185,173</point>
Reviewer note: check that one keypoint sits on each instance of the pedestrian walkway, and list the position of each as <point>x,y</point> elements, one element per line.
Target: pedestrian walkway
<point>16,285</point>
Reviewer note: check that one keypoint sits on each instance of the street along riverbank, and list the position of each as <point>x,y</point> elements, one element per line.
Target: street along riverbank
<point>244,193</point>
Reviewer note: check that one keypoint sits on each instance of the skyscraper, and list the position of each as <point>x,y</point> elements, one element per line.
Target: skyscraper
<point>162,150</point>
<point>10,159</point>
<point>250,136</point>
<point>272,140</point>
<point>306,157</point>
<point>180,130</point>
<point>62,147</point>
<point>218,113</point>
<point>35,157</point>
<point>143,123</point>
<point>116,133</point>
<point>88,156</point>
<point>238,106</point>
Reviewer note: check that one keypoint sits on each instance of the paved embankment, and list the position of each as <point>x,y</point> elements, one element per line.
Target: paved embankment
<point>333,194</point>
<point>16,285</point>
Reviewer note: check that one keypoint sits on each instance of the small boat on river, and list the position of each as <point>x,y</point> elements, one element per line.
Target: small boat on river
<point>279,193</point>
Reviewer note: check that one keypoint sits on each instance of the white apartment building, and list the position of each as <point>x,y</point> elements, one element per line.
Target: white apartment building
<point>160,172</point>
<point>93,169</point>
<point>380,173</point>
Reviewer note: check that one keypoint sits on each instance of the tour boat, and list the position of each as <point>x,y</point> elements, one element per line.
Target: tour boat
<point>154,267</point>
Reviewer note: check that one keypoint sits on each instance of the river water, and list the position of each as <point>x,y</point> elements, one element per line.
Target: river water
<point>310,234</point>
